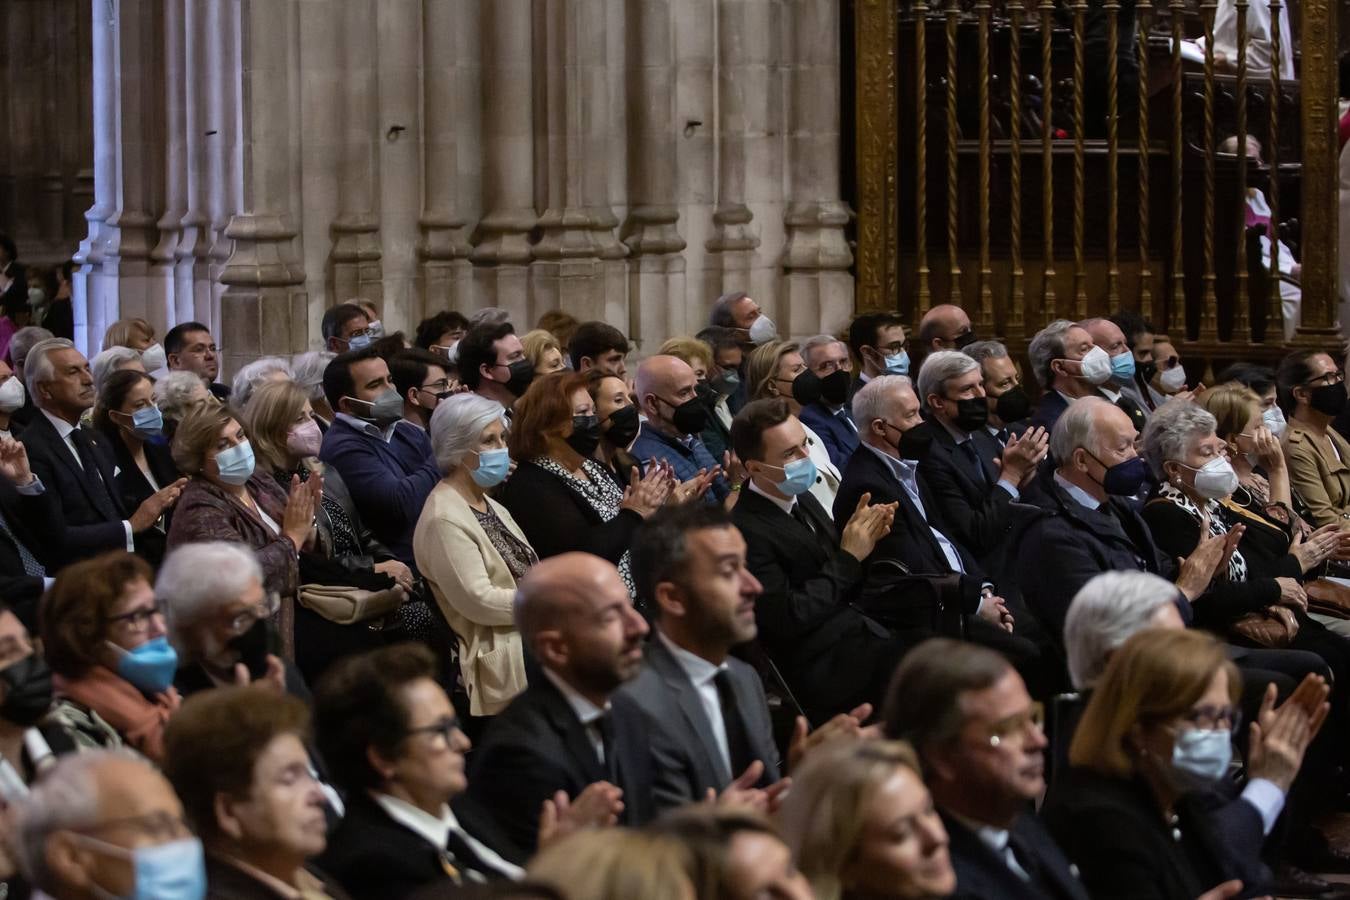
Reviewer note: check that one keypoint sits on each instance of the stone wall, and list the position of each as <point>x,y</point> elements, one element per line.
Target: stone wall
<point>258,160</point>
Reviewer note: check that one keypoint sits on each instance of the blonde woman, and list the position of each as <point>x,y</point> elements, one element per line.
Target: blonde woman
<point>617,864</point>
<point>543,349</point>
<point>861,824</point>
<point>139,335</point>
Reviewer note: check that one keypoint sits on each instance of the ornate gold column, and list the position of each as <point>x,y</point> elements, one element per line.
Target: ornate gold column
<point>878,215</point>
<point>1321,218</point>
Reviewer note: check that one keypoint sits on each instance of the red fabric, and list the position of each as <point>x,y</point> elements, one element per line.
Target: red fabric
<point>140,721</point>
<point>1345,129</point>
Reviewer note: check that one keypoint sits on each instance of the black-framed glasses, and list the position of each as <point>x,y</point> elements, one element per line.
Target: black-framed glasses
<point>445,727</point>
<point>439,389</point>
<point>138,619</point>
<point>159,826</point>
<point>1325,378</point>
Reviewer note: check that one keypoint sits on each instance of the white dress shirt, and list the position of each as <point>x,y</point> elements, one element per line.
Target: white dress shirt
<point>702,674</point>
<point>1077,494</point>
<point>385,434</point>
<point>827,476</point>
<point>65,430</point>
<point>436,831</point>
<point>906,472</point>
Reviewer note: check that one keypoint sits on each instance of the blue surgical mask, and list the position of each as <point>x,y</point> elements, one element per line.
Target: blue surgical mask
<point>150,667</point>
<point>898,363</point>
<point>147,422</point>
<point>493,467</point>
<point>236,464</point>
<point>176,869</point>
<point>798,476</point>
<point>360,342</point>
<point>1203,753</point>
<point>1122,366</point>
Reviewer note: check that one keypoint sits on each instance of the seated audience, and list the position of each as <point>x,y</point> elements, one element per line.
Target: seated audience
<point>570,729</point>
<point>543,351</point>
<point>31,732</point>
<point>392,740</point>
<point>177,395</point>
<point>598,345</point>
<point>724,375</point>
<point>861,824</point>
<point>60,315</point>
<point>106,824</point>
<point>78,465</point>
<point>230,498</point>
<point>738,311</point>
<point>308,368</point>
<point>697,355</point>
<point>1068,366</point>
<point>439,333</point>
<point>257,807</point>
<point>706,710</point>
<point>740,854</point>
<point>1109,610</point>
<point>563,499</point>
<point>945,327</point>
<point>1008,402</point>
<point>832,656</point>
<point>777,370</point>
<point>667,394</point>
<point>619,424</point>
<point>386,463</point>
<point>1109,336</point>
<point>472,552</point>
<point>968,714</point>
<point>114,359</point>
<point>1139,338</point>
<point>492,363</point>
<point>104,636</point>
<point>878,342</point>
<point>618,865</point>
<point>346,328</point>
<point>189,347</point>
<point>372,315</point>
<point>827,358</point>
<point>1312,395</point>
<point>254,375</point>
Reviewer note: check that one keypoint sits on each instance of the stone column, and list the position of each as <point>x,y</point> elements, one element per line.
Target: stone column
<point>51,190</point>
<point>226,103</point>
<point>80,106</point>
<point>192,287</point>
<point>656,273</point>
<point>163,258</point>
<point>400,189</point>
<point>356,230</point>
<point>264,306</point>
<point>451,91</point>
<point>321,140</point>
<point>502,251</point>
<point>92,313</point>
<point>819,287</point>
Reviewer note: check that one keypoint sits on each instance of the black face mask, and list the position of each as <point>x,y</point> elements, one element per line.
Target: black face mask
<point>806,387</point>
<point>914,443</point>
<point>1328,399</point>
<point>28,690</point>
<point>522,373</point>
<point>623,426</point>
<point>834,387</point>
<point>689,417</point>
<point>1012,405</point>
<point>1146,371</point>
<point>253,647</point>
<point>705,392</point>
<point>965,340</point>
<point>971,413</point>
<point>585,436</point>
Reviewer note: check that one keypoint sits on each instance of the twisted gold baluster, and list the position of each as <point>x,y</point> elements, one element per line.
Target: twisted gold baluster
<point>921,152</point>
<point>953,172</point>
<point>1079,174</point>
<point>1112,8</point>
<point>1143,8</point>
<point>986,319</point>
<point>1274,307</point>
<point>1047,10</point>
<point>1016,315</point>
<point>1176,288</point>
<point>1209,302</point>
<point>1241,323</point>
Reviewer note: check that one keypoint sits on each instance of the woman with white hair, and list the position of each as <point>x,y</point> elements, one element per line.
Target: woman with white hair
<point>307,371</point>
<point>257,373</point>
<point>472,552</point>
<point>114,359</point>
<point>1106,612</point>
<point>178,394</point>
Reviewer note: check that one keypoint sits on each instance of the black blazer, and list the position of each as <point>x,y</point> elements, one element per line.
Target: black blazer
<point>537,746</point>
<point>134,489</point>
<point>91,509</point>
<point>971,508</point>
<point>227,882</point>
<point>36,521</point>
<point>374,857</point>
<point>981,873</point>
<point>832,655</point>
<point>911,540</point>
<point>556,519</point>
<point>685,757</point>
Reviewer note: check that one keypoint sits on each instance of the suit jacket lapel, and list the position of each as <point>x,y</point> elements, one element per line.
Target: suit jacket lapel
<point>691,705</point>
<point>61,452</point>
<point>572,732</point>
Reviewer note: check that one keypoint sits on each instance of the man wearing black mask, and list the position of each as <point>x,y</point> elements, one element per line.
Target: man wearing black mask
<point>667,393</point>
<point>1008,402</point>
<point>492,363</point>
<point>827,358</point>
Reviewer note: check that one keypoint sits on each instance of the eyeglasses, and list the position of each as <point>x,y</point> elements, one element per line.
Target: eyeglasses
<point>139,619</point>
<point>1214,718</point>
<point>265,609</point>
<point>438,389</point>
<point>445,727</point>
<point>1325,379</point>
<point>1017,726</point>
<point>159,826</point>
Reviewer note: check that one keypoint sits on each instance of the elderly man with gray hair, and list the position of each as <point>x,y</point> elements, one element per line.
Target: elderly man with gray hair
<point>106,824</point>
<point>1068,365</point>
<point>827,358</point>
<point>24,340</point>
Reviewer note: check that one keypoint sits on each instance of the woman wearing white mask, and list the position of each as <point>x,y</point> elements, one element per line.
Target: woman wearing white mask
<point>12,397</point>
<point>1259,599</point>
<point>472,552</point>
<point>139,335</point>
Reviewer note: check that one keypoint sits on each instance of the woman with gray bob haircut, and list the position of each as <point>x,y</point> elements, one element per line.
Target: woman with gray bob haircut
<point>472,552</point>
<point>178,394</point>
<point>1106,612</point>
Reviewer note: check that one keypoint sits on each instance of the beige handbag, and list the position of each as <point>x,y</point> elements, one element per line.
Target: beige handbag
<point>1274,627</point>
<point>348,605</point>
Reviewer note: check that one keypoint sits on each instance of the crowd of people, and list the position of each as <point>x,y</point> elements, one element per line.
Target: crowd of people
<point>496,614</point>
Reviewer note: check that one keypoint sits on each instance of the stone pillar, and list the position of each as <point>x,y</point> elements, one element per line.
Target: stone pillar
<point>818,285</point>
<point>192,286</point>
<point>264,306</point>
<point>163,259</point>
<point>656,272</point>
<point>451,92</point>
<point>226,103</point>
<point>80,106</point>
<point>92,307</point>
<point>400,193</point>
<point>356,230</point>
<point>742,42</point>
<point>321,139</point>
<point>502,252</point>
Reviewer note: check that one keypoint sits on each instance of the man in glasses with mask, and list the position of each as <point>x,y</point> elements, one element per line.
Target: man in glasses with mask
<point>347,327</point>
<point>667,394</point>
<point>423,380</point>
<point>386,463</point>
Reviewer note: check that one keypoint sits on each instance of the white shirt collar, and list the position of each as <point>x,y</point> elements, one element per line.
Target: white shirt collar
<point>1067,399</point>
<point>957,434</point>
<point>432,828</point>
<point>901,468</point>
<point>1080,496</point>
<point>785,505</point>
<point>699,670</point>
<point>63,428</point>
<point>1112,395</point>
<point>385,434</point>
<point>585,710</point>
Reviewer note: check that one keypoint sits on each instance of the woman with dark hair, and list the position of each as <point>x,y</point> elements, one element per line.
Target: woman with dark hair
<point>1312,394</point>
<point>127,414</point>
<point>619,424</point>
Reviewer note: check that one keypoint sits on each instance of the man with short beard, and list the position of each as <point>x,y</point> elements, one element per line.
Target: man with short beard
<point>569,729</point>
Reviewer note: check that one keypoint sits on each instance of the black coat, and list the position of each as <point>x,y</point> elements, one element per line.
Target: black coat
<point>227,882</point>
<point>982,874</point>
<point>1048,410</point>
<point>537,746</point>
<point>970,507</point>
<point>134,489</point>
<point>374,857</point>
<point>832,655</point>
<point>556,519</point>
<point>90,506</point>
<point>36,522</point>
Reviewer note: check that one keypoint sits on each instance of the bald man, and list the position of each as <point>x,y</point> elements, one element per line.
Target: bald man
<point>667,394</point>
<point>569,731</point>
<point>945,327</point>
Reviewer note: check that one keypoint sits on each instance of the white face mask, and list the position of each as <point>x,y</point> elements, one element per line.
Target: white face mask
<point>1215,479</point>
<point>153,357</point>
<point>1274,420</point>
<point>762,330</point>
<point>11,395</point>
<point>1096,366</point>
<point>1173,379</point>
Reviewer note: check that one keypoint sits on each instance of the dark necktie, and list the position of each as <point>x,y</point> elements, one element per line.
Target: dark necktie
<point>605,725</point>
<point>31,566</point>
<point>1002,437</point>
<point>802,516</point>
<point>89,461</point>
<point>1031,864</point>
<point>842,415</point>
<point>469,865</point>
<point>973,456</point>
<point>738,739</point>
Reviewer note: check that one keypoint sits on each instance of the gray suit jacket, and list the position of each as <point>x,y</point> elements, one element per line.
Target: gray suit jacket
<point>684,753</point>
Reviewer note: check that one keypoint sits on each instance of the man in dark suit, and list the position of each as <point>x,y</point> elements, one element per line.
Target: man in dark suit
<point>75,463</point>
<point>827,358</point>
<point>570,729</point>
<point>1107,335</point>
<point>984,767</point>
<point>29,521</point>
<point>832,656</point>
<point>706,709</point>
<point>1008,402</point>
<point>1068,366</point>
